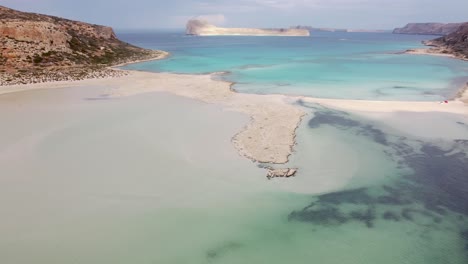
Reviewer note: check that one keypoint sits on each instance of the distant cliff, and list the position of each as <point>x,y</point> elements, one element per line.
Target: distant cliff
<point>314,29</point>
<point>455,43</point>
<point>203,28</point>
<point>36,43</point>
<point>427,28</point>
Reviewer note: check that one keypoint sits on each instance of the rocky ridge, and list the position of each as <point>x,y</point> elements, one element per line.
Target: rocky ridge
<point>39,48</point>
<point>427,28</point>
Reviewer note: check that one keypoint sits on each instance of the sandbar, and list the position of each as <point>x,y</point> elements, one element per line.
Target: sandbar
<point>269,137</point>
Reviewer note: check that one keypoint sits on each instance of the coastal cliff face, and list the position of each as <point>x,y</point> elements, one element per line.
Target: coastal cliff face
<point>455,43</point>
<point>33,42</point>
<point>427,28</point>
<point>203,28</point>
<point>314,29</point>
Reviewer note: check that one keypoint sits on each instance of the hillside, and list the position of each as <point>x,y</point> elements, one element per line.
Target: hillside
<point>45,47</point>
<point>203,28</point>
<point>455,43</point>
<point>427,28</point>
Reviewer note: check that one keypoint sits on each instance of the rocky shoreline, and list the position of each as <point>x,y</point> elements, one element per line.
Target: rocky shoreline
<point>58,74</point>
<point>454,44</point>
<point>72,73</point>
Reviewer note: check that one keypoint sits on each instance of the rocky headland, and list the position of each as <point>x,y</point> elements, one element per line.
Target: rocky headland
<point>199,27</point>
<point>42,48</point>
<point>428,28</point>
<point>453,45</point>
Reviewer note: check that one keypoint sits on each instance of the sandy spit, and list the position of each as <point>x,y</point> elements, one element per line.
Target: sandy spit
<point>269,137</point>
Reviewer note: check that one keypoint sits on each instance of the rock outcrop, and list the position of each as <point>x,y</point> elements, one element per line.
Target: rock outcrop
<point>202,28</point>
<point>455,43</point>
<point>281,173</point>
<point>32,43</point>
<point>427,28</point>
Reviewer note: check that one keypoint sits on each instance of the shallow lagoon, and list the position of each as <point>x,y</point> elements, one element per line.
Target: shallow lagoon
<point>136,179</point>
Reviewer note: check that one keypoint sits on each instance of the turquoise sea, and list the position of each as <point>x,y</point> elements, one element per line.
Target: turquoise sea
<point>154,178</point>
<point>332,65</point>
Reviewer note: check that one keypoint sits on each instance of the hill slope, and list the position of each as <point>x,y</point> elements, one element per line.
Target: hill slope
<point>455,43</point>
<point>427,28</point>
<point>41,45</point>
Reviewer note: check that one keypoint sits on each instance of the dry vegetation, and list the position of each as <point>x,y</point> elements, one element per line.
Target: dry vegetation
<point>37,48</point>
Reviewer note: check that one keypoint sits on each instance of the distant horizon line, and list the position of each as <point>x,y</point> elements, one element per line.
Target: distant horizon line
<point>183,28</point>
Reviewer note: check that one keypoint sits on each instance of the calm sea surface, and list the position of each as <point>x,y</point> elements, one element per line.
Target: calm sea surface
<point>334,65</point>
<point>154,179</point>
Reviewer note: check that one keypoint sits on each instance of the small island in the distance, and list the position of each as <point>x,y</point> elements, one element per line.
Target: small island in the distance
<point>200,27</point>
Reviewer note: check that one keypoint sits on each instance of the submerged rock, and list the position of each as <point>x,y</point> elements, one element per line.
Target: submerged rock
<point>281,173</point>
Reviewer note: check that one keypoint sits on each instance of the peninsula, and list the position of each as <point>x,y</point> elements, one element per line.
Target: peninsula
<point>40,48</point>
<point>199,27</point>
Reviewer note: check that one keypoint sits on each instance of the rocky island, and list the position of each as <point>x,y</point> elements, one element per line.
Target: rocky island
<point>40,48</point>
<point>199,27</point>
<point>428,28</point>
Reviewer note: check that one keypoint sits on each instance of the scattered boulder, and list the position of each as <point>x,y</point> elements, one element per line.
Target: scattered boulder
<point>281,173</point>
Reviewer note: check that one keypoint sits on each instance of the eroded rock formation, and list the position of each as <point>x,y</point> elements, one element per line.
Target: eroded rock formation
<point>281,173</point>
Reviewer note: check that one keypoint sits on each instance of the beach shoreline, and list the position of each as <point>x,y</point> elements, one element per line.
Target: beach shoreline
<point>54,74</point>
<point>433,51</point>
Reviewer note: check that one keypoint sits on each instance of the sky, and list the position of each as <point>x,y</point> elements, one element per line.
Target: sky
<point>173,14</point>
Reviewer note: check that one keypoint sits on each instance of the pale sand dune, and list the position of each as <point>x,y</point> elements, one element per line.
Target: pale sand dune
<point>270,135</point>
